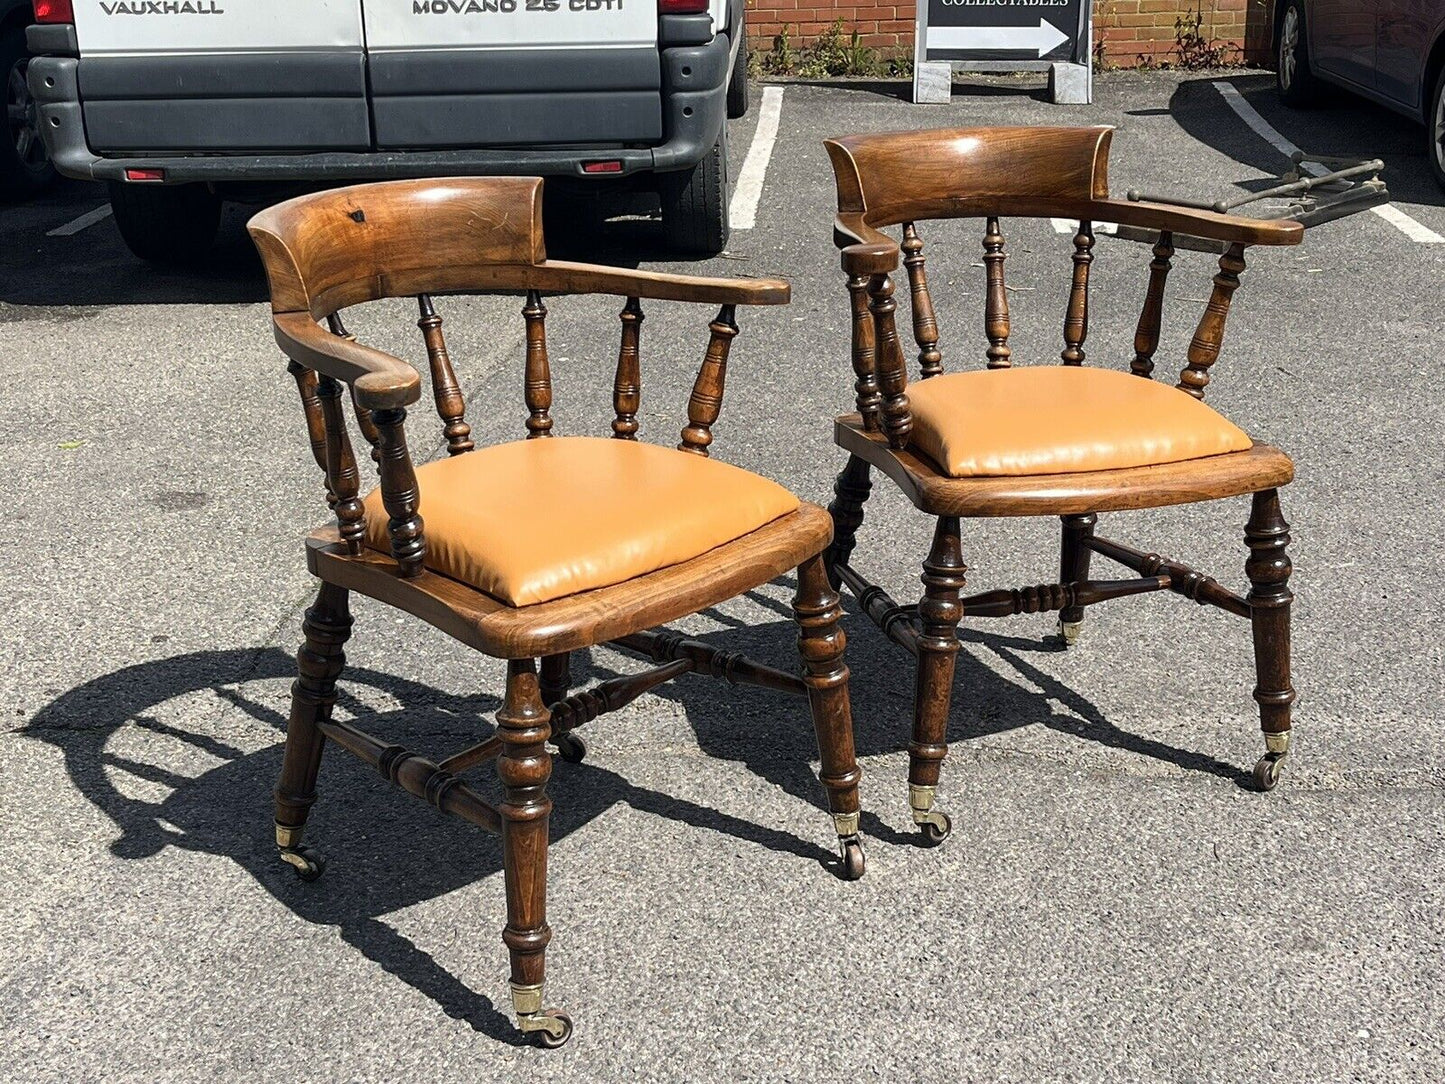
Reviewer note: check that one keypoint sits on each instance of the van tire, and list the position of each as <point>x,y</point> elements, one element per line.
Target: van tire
<point>28,173</point>
<point>738,84</point>
<point>695,204</point>
<point>166,224</point>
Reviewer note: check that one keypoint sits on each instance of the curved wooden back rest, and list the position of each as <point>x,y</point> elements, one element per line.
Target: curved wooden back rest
<point>328,251</point>
<point>898,177</point>
<point>901,178</point>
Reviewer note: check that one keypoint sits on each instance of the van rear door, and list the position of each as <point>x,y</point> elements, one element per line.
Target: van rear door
<point>222,76</point>
<point>459,73</point>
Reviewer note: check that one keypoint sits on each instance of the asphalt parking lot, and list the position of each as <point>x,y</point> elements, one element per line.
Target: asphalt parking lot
<point>1115,903</point>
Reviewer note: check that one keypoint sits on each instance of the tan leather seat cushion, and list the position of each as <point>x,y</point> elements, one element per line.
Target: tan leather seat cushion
<point>539,519</point>
<point>1061,419</point>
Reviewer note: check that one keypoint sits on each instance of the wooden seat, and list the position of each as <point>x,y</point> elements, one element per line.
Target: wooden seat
<point>932,490</point>
<point>1056,440</point>
<point>588,617</point>
<point>526,550</point>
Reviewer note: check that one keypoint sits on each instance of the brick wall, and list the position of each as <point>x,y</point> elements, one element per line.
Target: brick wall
<point>1127,29</point>
<point>1131,29</point>
<point>882,27</point>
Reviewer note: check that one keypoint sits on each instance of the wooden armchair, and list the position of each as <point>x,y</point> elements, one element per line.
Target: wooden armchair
<point>1057,440</point>
<point>526,550</point>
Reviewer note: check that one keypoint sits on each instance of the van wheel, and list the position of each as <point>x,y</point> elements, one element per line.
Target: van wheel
<point>25,167</point>
<point>1296,81</point>
<point>1435,130</point>
<point>695,204</point>
<point>738,84</point>
<point>166,224</point>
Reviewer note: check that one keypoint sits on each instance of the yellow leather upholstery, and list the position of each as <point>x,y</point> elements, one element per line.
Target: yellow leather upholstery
<point>1061,419</point>
<point>535,520</point>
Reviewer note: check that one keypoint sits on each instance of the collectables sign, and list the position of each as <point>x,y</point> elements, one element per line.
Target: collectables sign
<point>1003,34</point>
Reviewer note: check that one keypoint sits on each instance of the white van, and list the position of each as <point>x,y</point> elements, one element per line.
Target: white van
<point>179,104</point>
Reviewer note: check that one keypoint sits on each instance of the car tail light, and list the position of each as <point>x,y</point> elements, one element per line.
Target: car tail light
<point>54,11</point>
<point>145,174</point>
<point>611,165</point>
<point>675,7</point>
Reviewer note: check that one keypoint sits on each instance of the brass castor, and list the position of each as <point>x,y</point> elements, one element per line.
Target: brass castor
<point>1266,772</point>
<point>853,865</point>
<point>307,863</point>
<point>936,829</point>
<point>935,825</point>
<point>570,747</point>
<point>550,1028</point>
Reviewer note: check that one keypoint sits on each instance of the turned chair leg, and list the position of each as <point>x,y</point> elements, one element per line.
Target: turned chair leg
<point>556,684</point>
<point>850,492</point>
<point>319,661</point>
<point>1268,569</point>
<point>821,643</point>
<point>524,766</point>
<point>1074,566</point>
<point>939,614</point>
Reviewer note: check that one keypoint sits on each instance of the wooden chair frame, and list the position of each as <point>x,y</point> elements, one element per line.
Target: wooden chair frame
<point>900,179</point>
<point>337,249</point>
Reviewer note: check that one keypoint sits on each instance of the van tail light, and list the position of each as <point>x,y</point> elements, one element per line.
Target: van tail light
<point>145,175</point>
<point>609,165</point>
<point>54,11</point>
<point>664,7</point>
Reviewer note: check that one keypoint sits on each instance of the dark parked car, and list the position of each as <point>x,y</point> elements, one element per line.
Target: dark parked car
<point>1390,51</point>
<point>24,166</point>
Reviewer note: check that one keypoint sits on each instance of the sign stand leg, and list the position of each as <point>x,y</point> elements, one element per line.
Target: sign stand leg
<point>932,82</point>
<point>1069,84</point>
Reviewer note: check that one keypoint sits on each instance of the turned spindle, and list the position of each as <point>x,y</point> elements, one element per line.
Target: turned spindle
<point>865,384</point>
<point>925,324</point>
<point>892,370</point>
<point>1076,320</point>
<point>399,492</point>
<point>451,406</point>
<point>341,474</point>
<point>627,385</point>
<point>538,381</point>
<point>363,416</point>
<point>1146,335</point>
<point>306,382</point>
<point>705,402</point>
<point>995,316</point>
<point>1209,336</point>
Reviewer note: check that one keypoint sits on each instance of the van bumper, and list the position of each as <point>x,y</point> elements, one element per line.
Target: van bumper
<point>694,93</point>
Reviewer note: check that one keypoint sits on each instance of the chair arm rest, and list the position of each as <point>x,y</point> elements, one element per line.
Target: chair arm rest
<point>866,251</point>
<point>562,276</point>
<point>1197,223</point>
<point>380,381</point>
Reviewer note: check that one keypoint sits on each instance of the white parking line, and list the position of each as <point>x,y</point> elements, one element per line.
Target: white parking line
<point>743,211</point>
<point>1415,231</point>
<point>84,222</point>
<point>1071,225</point>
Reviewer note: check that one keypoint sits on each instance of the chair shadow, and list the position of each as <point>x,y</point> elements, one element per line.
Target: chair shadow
<point>725,718</point>
<point>375,864</point>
